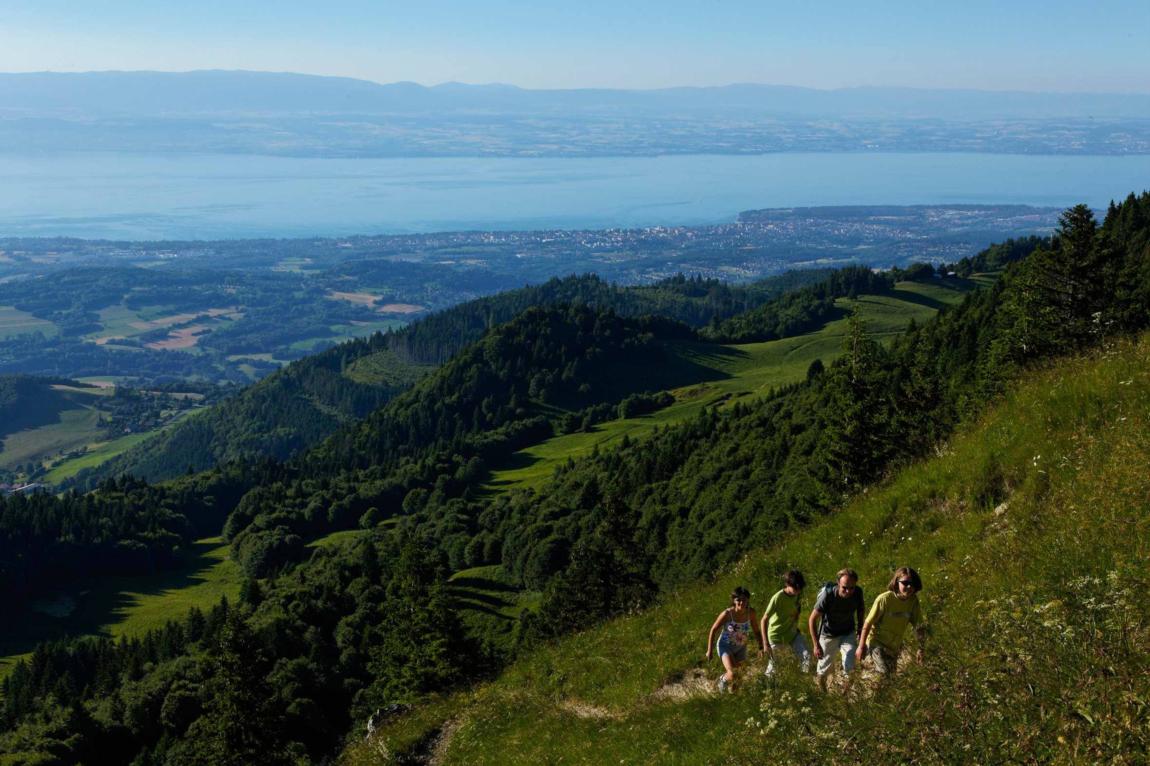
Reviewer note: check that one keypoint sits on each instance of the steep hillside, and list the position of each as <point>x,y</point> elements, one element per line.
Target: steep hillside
<point>374,623</point>
<point>50,423</point>
<point>717,374</point>
<point>307,401</point>
<point>548,373</point>
<point>1030,523</point>
<point>278,417</point>
<point>730,372</point>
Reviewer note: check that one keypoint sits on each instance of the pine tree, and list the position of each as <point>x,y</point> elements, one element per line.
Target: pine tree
<point>241,724</point>
<point>858,418</point>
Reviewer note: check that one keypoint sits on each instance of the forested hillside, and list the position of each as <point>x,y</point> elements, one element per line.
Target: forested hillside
<point>126,527</point>
<point>324,638</point>
<point>1031,522</point>
<point>49,424</point>
<point>307,401</point>
<point>278,417</point>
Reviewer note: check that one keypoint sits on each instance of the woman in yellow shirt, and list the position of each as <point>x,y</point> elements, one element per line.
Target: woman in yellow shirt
<point>885,626</point>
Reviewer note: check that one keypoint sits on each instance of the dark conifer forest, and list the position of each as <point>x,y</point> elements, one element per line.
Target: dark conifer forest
<point>323,638</point>
<point>297,407</point>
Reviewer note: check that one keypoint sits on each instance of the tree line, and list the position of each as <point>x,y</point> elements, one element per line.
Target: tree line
<point>371,626</point>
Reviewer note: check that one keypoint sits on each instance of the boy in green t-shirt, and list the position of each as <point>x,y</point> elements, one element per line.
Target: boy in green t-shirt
<point>883,631</point>
<point>780,624</point>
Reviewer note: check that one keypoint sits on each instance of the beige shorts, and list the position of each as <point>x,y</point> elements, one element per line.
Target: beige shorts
<point>885,661</point>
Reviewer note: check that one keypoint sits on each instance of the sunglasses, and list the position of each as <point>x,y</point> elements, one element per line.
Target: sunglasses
<point>906,583</point>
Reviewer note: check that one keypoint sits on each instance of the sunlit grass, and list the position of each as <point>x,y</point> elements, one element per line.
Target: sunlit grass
<point>75,429</point>
<point>118,606</point>
<point>751,369</point>
<point>15,322</point>
<point>1031,530</point>
<point>97,453</point>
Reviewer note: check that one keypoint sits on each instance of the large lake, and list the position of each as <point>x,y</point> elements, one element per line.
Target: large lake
<point>214,196</point>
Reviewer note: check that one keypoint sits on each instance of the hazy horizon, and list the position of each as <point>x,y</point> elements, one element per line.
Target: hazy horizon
<point>1053,46</point>
<point>718,85</point>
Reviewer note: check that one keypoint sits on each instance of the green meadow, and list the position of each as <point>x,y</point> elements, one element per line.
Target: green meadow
<point>62,420</point>
<point>96,454</point>
<point>384,367</point>
<point>1030,531</point>
<point>337,333</point>
<point>117,322</point>
<point>338,538</point>
<point>14,322</point>
<point>118,606</point>
<point>489,605</point>
<point>727,373</point>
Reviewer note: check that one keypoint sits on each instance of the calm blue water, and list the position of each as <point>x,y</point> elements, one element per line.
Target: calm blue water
<point>213,196</point>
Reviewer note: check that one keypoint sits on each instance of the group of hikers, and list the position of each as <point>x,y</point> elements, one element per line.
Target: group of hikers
<point>835,624</point>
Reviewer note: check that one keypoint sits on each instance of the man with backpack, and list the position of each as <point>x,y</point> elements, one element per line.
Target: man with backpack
<point>835,623</point>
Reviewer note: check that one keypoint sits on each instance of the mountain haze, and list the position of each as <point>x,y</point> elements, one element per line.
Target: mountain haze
<point>311,116</point>
<point>220,92</point>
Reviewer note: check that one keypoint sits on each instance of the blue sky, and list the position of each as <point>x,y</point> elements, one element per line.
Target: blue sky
<point>1004,45</point>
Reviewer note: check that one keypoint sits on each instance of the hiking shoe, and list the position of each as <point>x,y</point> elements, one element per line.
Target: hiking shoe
<point>724,686</point>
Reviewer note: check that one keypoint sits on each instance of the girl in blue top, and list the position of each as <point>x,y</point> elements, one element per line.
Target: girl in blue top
<point>735,627</point>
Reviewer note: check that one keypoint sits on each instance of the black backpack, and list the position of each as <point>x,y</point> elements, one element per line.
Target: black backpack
<point>831,589</point>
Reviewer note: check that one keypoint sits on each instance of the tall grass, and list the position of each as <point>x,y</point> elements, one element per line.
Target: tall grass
<point>1030,529</point>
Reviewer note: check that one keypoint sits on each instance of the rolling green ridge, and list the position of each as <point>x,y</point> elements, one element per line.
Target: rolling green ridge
<point>277,417</point>
<point>581,593</point>
<point>526,380</point>
<point>729,372</point>
<point>297,407</point>
<point>736,370</point>
<point>1031,523</point>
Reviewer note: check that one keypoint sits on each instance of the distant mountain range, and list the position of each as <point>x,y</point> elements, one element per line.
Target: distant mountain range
<point>172,94</point>
<point>305,115</point>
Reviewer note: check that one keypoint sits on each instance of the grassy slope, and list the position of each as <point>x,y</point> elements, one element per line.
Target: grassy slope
<point>125,606</point>
<point>385,367</point>
<point>131,606</point>
<point>489,606</point>
<point>64,418</point>
<point>14,322</point>
<point>97,453</point>
<point>68,420</point>
<point>337,333</point>
<point>736,371</point>
<point>118,606</point>
<point>1031,531</point>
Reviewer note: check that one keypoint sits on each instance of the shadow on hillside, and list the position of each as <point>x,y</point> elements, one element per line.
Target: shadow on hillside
<point>468,605</point>
<point>99,604</point>
<point>45,409</point>
<point>480,583</point>
<point>682,363</point>
<point>517,461</point>
<point>922,300</point>
<point>706,363</point>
